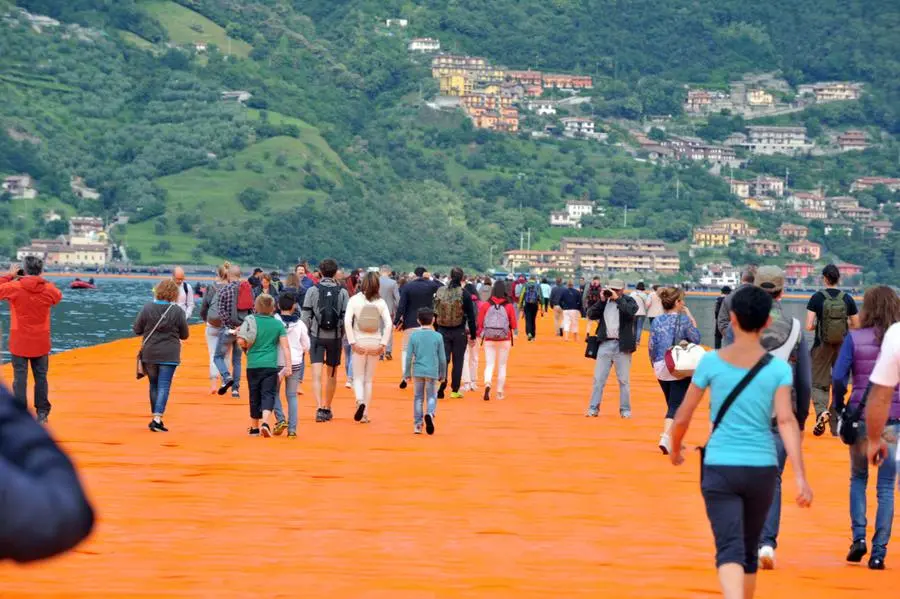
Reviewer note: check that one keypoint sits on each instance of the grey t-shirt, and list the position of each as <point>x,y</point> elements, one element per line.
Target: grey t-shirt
<point>390,293</point>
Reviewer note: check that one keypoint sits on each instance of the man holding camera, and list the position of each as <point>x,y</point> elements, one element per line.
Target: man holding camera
<point>615,312</point>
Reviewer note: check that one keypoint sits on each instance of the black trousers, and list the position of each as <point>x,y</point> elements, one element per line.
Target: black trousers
<point>531,312</point>
<point>674,391</point>
<point>717,339</point>
<point>263,384</point>
<point>455,343</point>
<point>39,367</point>
<point>737,503</point>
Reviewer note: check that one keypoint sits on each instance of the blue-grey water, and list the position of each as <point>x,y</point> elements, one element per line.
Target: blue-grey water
<point>90,317</point>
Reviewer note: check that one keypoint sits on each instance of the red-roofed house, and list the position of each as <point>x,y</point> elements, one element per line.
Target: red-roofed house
<point>805,248</point>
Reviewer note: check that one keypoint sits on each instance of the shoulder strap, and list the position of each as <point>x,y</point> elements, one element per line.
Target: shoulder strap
<point>739,388</point>
<point>862,402</point>
<point>158,322</point>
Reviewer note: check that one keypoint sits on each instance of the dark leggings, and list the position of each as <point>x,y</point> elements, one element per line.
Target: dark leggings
<point>455,343</point>
<point>737,503</point>
<point>674,392</point>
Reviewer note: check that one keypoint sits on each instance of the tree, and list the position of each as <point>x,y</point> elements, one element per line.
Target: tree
<point>161,225</point>
<point>197,255</point>
<point>657,134</point>
<point>162,248</point>
<point>251,198</point>
<point>624,192</point>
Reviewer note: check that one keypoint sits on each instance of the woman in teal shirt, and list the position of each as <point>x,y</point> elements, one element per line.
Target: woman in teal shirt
<point>740,465</point>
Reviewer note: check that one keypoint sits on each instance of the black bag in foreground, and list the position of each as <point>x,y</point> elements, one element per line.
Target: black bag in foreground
<point>849,420</point>
<point>593,346</point>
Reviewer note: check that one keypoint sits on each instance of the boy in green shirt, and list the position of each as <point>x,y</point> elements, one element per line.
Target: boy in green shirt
<point>426,361</point>
<point>262,364</point>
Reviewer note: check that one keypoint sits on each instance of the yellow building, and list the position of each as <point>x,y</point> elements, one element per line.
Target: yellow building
<point>455,85</point>
<point>759,97</point>
<point>735,226</point>
<point>712,237</point>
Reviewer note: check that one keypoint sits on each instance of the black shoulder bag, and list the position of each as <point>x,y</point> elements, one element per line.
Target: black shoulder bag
<point>849,421</point>
<point>738,389</point>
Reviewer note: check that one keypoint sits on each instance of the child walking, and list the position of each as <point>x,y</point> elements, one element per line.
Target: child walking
<point>262,362</point>
<point>426,363</point>
<point>298,341</point>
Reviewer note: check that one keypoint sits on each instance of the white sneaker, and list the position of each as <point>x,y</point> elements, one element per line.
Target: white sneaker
<point>767,557</point>
<point>665,444</point>
<point>349,384</point>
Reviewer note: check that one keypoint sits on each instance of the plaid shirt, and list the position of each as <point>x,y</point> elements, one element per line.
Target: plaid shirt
<point>227,305</point>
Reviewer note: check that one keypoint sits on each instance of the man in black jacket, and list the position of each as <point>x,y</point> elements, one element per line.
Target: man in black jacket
<point>418,293</point>
<point>45,511</point>
<point>615,314</point>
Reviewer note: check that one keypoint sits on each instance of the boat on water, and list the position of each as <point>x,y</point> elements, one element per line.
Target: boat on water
<point>79,284</point>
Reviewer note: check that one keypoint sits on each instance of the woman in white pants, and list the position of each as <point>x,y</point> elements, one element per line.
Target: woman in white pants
<point>209,313</point>
<point>367,323</point>
<point>496,325</point>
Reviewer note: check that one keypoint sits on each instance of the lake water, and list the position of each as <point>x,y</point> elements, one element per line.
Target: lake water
<point>89,317</point>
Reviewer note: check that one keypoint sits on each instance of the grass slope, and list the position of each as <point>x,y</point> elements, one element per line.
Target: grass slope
<point>178,21</point>
<point>212,192</point>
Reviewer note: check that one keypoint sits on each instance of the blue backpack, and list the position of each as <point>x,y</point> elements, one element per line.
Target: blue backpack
<point>532,293</point>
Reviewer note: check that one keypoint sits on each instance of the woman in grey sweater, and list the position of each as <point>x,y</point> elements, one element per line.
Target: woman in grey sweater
<point>163,329</point>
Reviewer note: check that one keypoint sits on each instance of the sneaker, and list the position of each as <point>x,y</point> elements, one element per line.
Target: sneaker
<point>403,384</point>
<point>417,429</point>
<point>665,444</point>
<point>42,418</point>
<point>253,432</point>
<point>487,393</point>
<point>292,435</point>
<point>821,423</point>
<point>857,551</point>
<point>456,395</point>
<point>265,431</point>
<point>329,415</point>
<point>157,427</point>
<point>441,389</point>
<point>500,395</point>
<point>429,424</point>
<point>280,427</point>
<point>236,394</point>
<point>388,356</point>
<point>592,413</point>
<point>321,415</point>
<point>767,557</point>
<point>876,563</point>
<point>531,337</point>
<point>360,412</point>
<point>226,385</point>
<point>625,414</point>
<point>349,383</point>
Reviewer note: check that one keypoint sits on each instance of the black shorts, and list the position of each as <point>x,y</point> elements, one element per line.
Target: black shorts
<point>325,351</point>
<point>737,503</point>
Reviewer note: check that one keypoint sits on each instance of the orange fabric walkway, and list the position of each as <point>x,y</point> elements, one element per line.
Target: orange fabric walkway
<point>519,498</point>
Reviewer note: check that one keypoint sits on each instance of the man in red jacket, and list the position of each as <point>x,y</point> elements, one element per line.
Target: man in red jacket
<point>30,298</point>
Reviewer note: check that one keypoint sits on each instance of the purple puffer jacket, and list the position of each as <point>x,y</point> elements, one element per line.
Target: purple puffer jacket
<point>858,355</point>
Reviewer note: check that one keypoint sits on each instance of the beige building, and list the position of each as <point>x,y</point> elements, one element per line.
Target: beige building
<point>765,139</point>
<point>864,183</point>
<point>737,227</point>
<point>739,188</point>
<point>880,228</point>
<point>792,231</point>
<point>764,247</point>
<point>20,187</point>
<point>759,97</point>
<point>767,186</point>
<point>712,237</point>
<point>805,248</point>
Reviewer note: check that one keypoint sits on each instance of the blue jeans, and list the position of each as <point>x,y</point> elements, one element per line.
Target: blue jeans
<point>290,394</point>
<point>884,490</point>
<point>773,520</point>
<point>348,361</point>
<point>226,341</point>
<point>423,390</point>
<point>608,356</point>
<point>390,345</point>
<point>160,377</point>
<point>639,327</point>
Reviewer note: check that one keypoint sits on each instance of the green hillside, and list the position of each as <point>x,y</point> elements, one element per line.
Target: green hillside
<point>338,136</point>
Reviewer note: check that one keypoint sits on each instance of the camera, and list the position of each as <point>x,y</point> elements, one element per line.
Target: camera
<point>607,293</point>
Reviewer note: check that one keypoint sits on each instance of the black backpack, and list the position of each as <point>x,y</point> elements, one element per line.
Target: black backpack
<point>328,314</point>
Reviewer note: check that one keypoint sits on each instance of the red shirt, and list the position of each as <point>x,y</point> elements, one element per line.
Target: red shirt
<point>510,312</point>
<point>30,300</point>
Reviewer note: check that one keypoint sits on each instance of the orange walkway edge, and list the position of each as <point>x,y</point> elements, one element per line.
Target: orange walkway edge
<point>517,498</point>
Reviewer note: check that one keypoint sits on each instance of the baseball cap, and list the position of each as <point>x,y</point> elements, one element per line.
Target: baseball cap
<point>770,278</point>
<point>617,284</point>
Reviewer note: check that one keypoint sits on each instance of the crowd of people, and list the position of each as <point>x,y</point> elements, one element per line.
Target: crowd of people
<point>762,375</point>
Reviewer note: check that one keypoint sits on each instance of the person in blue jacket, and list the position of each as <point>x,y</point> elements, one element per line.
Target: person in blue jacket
<point>43,506</point>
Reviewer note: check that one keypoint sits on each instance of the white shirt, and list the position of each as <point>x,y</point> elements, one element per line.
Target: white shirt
<point>887,369</point>
<point>186,299</point>
<point>654,306</point>
<point>298,340</point>
<point>641,299</point>
<point>367,340</point>
<point>611,317</point>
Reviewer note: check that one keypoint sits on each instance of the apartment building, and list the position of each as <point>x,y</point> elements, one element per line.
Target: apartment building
<point>711,237</point>
<point>572,244</point>
<point>838,226</point>
<point>852,140</point>
<point>879,228</point>
<point>796,272</point>
<point>563,81</point>
<point>578,125</point>
<point>805,247</point>
<point>764,247</point>
<point>858,213</point>
<point>792,231</point>
<point>739,188</point>
<point>865,183</point>
<point>764,139</point>
<point>424,45</point>
<point>737,227</point>
<point>831,91</point>
<point>767,186</point>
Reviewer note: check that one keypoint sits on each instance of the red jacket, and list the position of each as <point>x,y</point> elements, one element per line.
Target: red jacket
<point>30,300</point>
<point>510,312</point>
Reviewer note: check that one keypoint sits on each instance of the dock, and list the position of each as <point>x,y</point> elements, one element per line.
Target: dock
<point>521,498</point>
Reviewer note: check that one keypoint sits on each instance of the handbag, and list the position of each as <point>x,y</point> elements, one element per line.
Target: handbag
<point>849,420</point>
<point>139,366</point>
<point>738,389</point>
<point>682,358</point>
<point>593,345</point>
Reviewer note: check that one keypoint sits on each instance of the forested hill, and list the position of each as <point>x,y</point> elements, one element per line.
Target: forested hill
<point>336,151</point>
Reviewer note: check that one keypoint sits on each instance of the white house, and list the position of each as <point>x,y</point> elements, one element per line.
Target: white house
<point>236,96</point>
<point>578,124</point>
<point>396,23</point>
<point>543,107</point>
<point>572,215</point>
<point>19,187</point>
<point>424,44</point>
